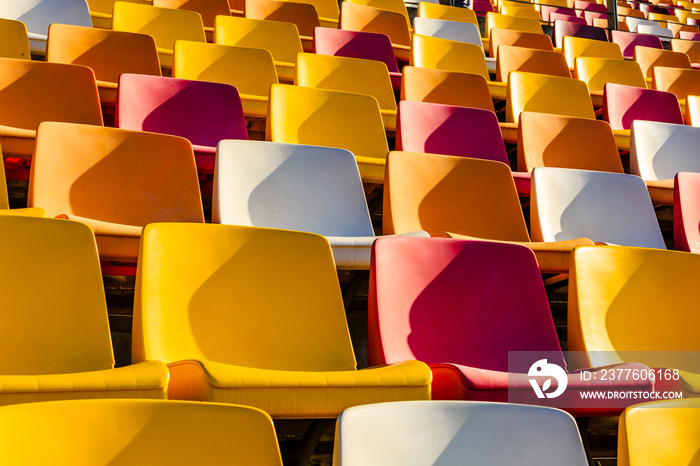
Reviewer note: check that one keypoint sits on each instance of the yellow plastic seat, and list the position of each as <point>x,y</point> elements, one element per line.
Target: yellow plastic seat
<point>497,20</point>
<point>319,117</point>
<point>327,10</point>
<point>532,40</point>
<point>55,332</point>
<point>461,197</point>
<point>547,140</point>
<point>107,53</point>
<point>648,58</point>
<point>354,17</point>
<point>680,81</point>
<point>251,70</point>
<point>208,10</point>
<point>445,87</point>
<point>636,304</point>
<point>303,15</point>
<point>662,19</point>
<point>101,12</point>
<point>115,180</point>
<point>660,433</point>
<point>596,72</point>
<point>14,41</point>
<point>260,322</point>
<point>520,12</point>
<point>574,47</point>
<point>446,12</point>
<point>512,58</point>
<point>280,39</point>
<point>692,110</point>
<point>165,25</point>
<point>43,92</point>
<point>353,75</point>
<point>136,432</point>
<point>397,6</point>
<point>689,47</point>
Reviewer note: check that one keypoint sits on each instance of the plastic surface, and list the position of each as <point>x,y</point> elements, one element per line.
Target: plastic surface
<point>686,212</point>
<point>574,47</point>
<point>689,47</point>
<point>443,54</point>
<point>456,432</point>
<point>59,345</point>
<point>355,17</point>
<point>446,12</point>
<point>115,179</point>
<point>207,9</point>
<point>596,72</point>
<point>302,15</point>
<point>445,87</point>
<point>14,41</point>
<point>648,58</point>
<point>679,81</point>
<point>661,150</point>
<point>530,40</point>
<point>451,30</point>
<point>200,111</point>
<point>624,104</point>
<point>512,58</point>
<point>354,44</point>
<point>302,115</point>
<point>261,322</point>
<point>137,432</point>
<point>496,20</point>
<point>629,40</point>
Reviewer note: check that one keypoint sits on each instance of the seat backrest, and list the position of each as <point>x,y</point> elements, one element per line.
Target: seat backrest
<point>288,277</point>
<point>648,58</point>
<point>624,104</point>
<point>165,25</point>
<point>303,15</point>
<point>138,432</point>
<point>692,110</point>
<point>531,60</point>
<point>686,212</point>
<point>451,30</point>
<point>532,40</point>
<point>512,10</point>
<point>689,47</point>
<point>280,39</point>
<point>449,13</point>
<point>574,47</point>
<point>655,30</point>
<point>208,9</point>
<point>114,175</point>
<point>555,13</point>
<point>201,111</point>
<point>604,207</point>
<point>14,41</point>
<point>355,44</point>
<point>54,314</point>
<point>443,54</point>
<point>547,94</point>
<point>356,17</point>
<point>289,186</point>
<point>303,115</point>
<point>354,75</point>
<point>445,87</point>
<point>664,433</point>
<point>430,318</point>
<point>108,53</point>
<point>453,432</point>
<point>547,140</point>
<point>633,23</point>
<point>439,193</point>
<point>496,20</point>
<point>660,150</point>
<point>629,40</point>
<point>47,92</point>
<point>328,10</point>
<point>397,6</point>
<point>596,72</point>
<point>449,130</point>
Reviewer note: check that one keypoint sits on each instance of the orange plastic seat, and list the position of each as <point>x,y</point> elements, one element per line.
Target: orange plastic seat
<point>260,322</point>
<point>679,81</point>
<point>328,12</point>
<point>445,87</point>
<point>14,41</point>
<point>575,47</point>
<point>512,58</point>
<point>354,17</point>
<point>207,9</point>
<point>302,15</point>
<point>54,336</point>
<point>686,212</point>
<point>101,12</point>
<point>397,6</point>
<point>648,58</point>
<point>115,180</point>
<point>531,40</point>
<point>597,72</point>
<point>497,20</point>
<point>462,197</point>
<point>689,47</point>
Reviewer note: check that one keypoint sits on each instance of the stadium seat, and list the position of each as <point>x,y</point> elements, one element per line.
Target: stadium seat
<point>633,23</point>
<point>689,47</point>
<point>512,58</point>
<point>446,12</point>
<point>136,432</point>
<point>451,432</point>
<point>686,212</point>
<point>655,30</point>
<point>302,15</point>
<point>296,187</point>
<point>496,20</point>
<point>207,9</point>
<point>527,12</point>
<point>648,58</point>
<point>101,12</point>
<point>574,47</point>
<point>596,72</point>
<point>692,110</point>
<point>431,300</point>
<point>679,81</point>
<point>252,71</point>
<point>114,180</point>
<point>14,41</point>
<point>353,75</point>
<point>260,323</point>
<point>165,25</point>
<point>397,6</point>
<point>356,17</point>
<point>555,13</point>
<point>327,10</point>
<point>462,197</point>
<point>629,40</point>
<point>663,433</point>
<point>203,112</point>
<point>450,30</point>
<point>515,38</point>
<point>318,117</point>
<point>445,87</point>
<point>55,332</point>
<point>278,38</point>
<point>612,208</point>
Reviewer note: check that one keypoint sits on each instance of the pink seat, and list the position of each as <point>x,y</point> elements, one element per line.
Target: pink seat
<point>203,112</point>
<point>547,10</point>
<point>355,44</point>
<point>686,212</point>
<point>624,104</point>
<point>441,301</point>
<point>689,35</point>
<point>589,6</point>
<point>452,130</point>
<point>568,28</point>
<point>589,16</point>
<point>566,17</point>
<point>481,7</point>
<point>629,40</point>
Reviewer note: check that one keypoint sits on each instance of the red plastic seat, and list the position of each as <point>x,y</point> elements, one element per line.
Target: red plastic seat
<point>356,44</point>
<point>686,212</point>
<point>624,104</point>
<point>566,17</point>
<point>203,112</point>
<point>629,40</point>
<point>441,301</point>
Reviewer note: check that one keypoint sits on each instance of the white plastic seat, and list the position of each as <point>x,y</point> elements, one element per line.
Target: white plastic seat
<point>39,14</point>
<point>296,187</point>
<point>654,30</point>
<point>605,207</point>
<point>633,23</point>
<point>456,432</point>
